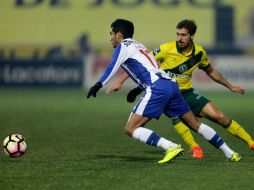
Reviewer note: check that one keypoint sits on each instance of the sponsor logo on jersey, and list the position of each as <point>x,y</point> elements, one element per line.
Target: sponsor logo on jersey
<point>183,68</point>
<point>181,76</point>
<point>156,51</point>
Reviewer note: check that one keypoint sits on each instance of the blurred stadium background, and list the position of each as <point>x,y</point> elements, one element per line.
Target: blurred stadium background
<point>66,42</point>
<point>53,50</point>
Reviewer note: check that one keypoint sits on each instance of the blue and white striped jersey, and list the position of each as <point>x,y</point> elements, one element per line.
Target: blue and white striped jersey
<point>133,57</point>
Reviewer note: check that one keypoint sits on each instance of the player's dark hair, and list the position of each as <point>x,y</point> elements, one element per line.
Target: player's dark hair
<point>190,25</point>
<point>124,26</point>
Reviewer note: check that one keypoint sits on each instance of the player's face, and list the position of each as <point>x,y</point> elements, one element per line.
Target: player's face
<point>114,38</point>
<point>184,38</point>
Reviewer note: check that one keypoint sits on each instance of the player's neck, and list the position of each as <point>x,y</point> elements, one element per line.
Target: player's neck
<point>188,49</point>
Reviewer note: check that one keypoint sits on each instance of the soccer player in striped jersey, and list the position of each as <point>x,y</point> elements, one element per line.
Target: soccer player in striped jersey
<point>162,94</point>
<point>179,59</point>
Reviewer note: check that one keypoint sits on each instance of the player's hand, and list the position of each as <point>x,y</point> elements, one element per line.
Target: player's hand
<point>113,87</point>
<point>94,89</point>
<point>238,89</point>
<point>131,96</point>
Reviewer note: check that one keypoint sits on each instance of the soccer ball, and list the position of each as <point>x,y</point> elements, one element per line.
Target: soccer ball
<point>14,145</point>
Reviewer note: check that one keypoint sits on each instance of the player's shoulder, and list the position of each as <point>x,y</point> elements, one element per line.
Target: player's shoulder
<point>168,45</point>
<point>199,48</point>
<point>204,59</point>
<point>127,42</point>
<point>164,48</point>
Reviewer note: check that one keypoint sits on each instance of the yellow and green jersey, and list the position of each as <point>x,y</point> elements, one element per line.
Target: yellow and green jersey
<point>179,65</point>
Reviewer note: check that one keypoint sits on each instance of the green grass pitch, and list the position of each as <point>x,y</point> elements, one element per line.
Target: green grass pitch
<point>75,143</point>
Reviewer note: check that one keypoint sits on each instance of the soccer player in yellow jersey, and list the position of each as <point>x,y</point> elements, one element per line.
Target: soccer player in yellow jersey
<point>179,59</point>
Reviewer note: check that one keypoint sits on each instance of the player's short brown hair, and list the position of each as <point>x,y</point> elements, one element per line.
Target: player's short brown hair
<point>190,25</point>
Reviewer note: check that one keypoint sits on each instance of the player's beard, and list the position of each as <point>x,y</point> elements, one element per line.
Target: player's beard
<point>186,46</point>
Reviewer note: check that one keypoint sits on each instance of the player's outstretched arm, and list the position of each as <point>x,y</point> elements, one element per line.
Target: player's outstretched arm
<point>117,84</point>
<point>217,76</point>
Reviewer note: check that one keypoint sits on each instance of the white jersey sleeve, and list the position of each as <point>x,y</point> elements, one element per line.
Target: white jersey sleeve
<point>120,55</point>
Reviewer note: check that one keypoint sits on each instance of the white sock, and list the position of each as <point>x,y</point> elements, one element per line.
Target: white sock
<point>166,144</point>
<point>149,137</point>
<point>210,134</point>
<point>206,131</point>
<point>227,151</point>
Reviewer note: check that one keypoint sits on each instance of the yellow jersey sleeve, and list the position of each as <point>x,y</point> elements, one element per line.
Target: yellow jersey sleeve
<point>160,52</point>
<point>204,60</point>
